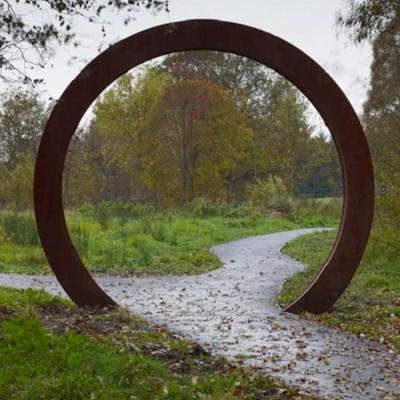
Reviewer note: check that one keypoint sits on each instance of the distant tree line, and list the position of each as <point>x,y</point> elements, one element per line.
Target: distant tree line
<point>195,124</point>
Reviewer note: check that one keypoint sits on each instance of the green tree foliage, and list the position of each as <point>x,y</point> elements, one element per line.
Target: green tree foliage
<point>122,124</point>
<point>82,176</point>
<point>22,118</point>
<point>379,21</point>
<point>29,27</point>
<point>16,188</point>
<point>284,142</point>
<point>366,19</point>
<point>382,118</point>
<point>323,177</point>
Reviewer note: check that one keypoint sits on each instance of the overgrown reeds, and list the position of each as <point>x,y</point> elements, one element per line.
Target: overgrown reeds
<point>20,229</point>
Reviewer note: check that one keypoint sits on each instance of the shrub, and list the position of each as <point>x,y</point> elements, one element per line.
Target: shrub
<point>238,211</point>
<point>87,210</point>
<point>124,212</point>
<point>101,214</point>
<point>269,196</point>
<point>202,207</point>
<point>321,211</point>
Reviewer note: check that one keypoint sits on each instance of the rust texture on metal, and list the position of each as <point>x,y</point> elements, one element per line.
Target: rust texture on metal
<point>258,45</point>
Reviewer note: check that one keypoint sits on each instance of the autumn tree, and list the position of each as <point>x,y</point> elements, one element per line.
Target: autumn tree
<point>199,140</point>
<point>247,80</point>
<point>137,114</point>
<point>273,108</point>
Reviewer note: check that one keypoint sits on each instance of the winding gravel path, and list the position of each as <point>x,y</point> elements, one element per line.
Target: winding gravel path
<point>232,312</point>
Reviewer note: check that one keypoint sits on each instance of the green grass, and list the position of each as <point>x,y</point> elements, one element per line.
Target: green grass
<point>127,239</point>
<point>50,349</point>
<point>371,304</point>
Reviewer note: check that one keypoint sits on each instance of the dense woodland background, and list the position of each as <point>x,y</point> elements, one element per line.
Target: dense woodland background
<point>215,127</point>
<point>191,125</point>
<point>262,115</point>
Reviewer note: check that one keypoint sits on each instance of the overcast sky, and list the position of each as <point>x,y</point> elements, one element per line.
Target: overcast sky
<point>308,24</point>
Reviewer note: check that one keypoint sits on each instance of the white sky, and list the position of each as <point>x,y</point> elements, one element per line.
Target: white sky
<point>308,24</point>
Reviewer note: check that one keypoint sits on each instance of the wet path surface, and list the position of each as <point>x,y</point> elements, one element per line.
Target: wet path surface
<point>232,312</point>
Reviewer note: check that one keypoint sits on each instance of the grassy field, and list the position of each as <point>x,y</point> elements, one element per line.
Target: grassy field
<point>132,238</point>
<point>50,349</point>
<point>371,304</point>
<point>101,354</point>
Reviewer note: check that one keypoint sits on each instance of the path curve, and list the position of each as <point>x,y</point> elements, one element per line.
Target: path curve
<point>232,312</point>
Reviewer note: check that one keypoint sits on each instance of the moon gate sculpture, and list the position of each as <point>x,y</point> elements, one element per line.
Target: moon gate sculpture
<point>242,40</point>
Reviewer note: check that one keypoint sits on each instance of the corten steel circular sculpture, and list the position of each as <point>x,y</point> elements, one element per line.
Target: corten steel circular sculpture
<point>242,40</point>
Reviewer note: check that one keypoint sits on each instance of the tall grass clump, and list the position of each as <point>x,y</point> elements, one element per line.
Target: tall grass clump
<point>124,212</point>
<point>114,254</point>
<point>20,229</point>
<point>121,212</point>
<point>102,214</point>
<point>202,207</point>
<point>159,231</point>
<point>144,226</point>
<point>387,221</point>
<point>155,228</point>
<point>81,238</point>
<point>144,252</point>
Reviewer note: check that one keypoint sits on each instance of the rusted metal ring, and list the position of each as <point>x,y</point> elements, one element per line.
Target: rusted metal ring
<point>246,41</point>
